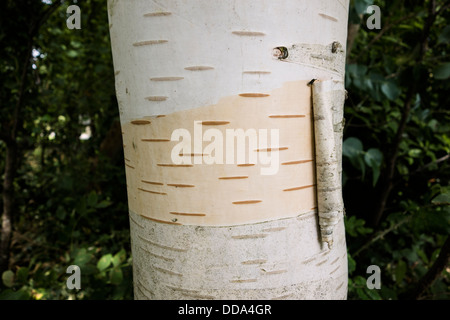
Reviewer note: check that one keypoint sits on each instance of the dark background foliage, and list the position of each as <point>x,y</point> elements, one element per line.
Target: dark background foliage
<point>63,182</point>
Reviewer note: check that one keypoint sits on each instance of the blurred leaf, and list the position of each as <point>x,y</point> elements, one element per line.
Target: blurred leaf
<point>361,5</point>
<point>443,198</point>
<point>355,226</point>
<point>444,37</point>
<point>8,278</point>
<point>61,213</point>
<point>82,257</point>
<point>400,271</point>
<point>92,199</point>
<point>72,54</point>
<point>390,90</point>
<point>442,71</point>
<point>116,276</point>
<point>374,159</point>
<point>373,294</point>
<point>103,204</point>
<point>104,262</point>
<point>22,275</point>
<point>119,257</point>
<point>351,264</point>
<point>353,149</point>
<point>20,294</point>
<point>415,153</point>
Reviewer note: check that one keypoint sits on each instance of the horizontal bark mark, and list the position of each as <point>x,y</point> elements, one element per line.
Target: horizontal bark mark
<point>308,260</point>
<point>249,33</point>
<point>157,14</point>
<point>199,296</point>
<point>321,262</point>
<point>180,185</point>
<point>247,202</point>
<point>299,188</point>
<point>167,79</point>
<point>250,236</point>
<point>334,261</point>
<point>243,280</point>
<point>251,262</point>
<point>339,286</point>
<point>282,297</point>
<point>199,68</point>
<point>274,272</point>
<point>257,72</point>
<point>157,256</point>
<point>148,42</point>
<point>188,214</point>
<point>127,165</point>
<point>140,122</point>
<point>295,162</point>
<point>153,192</point>
<point>335,270</point>
<point>142,286</point>
<point>142,292</point>
<point>215,123</point>
<point>182,290</point>
<point>135,222</point>
<point>162,246</point>
<point>168,272</point>
<point>156,98</point>
<point>274,229</point>
<point>153,182</point>
<point>254,95</point>
<point>246,165</point>
<point>323,15</point>
<point>233,178</point>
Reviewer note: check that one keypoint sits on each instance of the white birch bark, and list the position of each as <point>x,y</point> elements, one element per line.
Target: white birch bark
<point>227,231</point>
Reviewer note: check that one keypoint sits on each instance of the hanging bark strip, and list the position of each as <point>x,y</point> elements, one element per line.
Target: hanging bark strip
<point>328,99</point>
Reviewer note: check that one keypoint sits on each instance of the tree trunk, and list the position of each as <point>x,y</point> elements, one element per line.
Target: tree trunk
<point>7,197</point>
<point>232,155</point>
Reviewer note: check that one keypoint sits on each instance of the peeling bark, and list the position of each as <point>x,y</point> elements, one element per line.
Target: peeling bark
<point>328,100</point>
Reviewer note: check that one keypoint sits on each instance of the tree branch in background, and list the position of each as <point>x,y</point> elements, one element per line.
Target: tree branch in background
<point>433,273</point>
<point>385,28</point>
<point>389,173</point>
<point>9,136</point>
<point>11,166</point>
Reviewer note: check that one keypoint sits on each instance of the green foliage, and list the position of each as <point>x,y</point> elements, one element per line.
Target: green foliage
<point>70,194</point>
<point>352,148</point>
<point>383,73</point>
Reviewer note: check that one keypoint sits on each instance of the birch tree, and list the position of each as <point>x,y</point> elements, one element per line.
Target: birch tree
<point>232,151</point>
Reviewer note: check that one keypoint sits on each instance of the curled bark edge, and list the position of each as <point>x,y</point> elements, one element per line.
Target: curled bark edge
<point>328,99</point>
